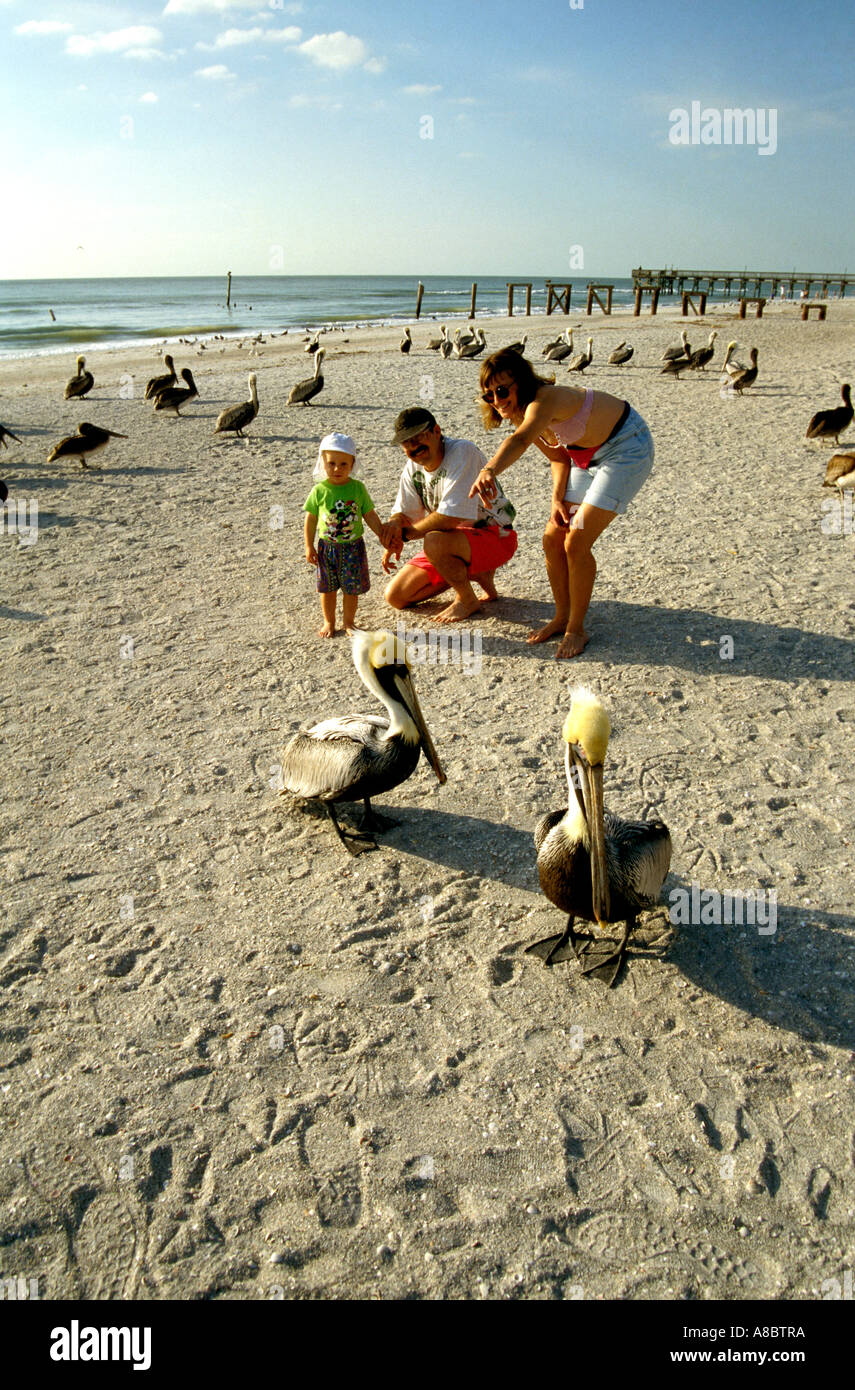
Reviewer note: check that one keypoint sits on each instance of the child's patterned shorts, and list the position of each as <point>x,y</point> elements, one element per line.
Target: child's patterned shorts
<point>343,565</point>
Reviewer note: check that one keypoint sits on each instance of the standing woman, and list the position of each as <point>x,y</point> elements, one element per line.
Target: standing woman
<point>601,452</point>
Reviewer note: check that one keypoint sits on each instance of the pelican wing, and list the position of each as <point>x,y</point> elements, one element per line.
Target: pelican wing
<point>638,854</point>
<point>324,760</point>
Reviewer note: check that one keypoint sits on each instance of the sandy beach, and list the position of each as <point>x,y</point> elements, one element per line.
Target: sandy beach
<point>236,1063</point>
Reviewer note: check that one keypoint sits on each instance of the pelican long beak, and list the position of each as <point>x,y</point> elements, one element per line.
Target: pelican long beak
<point>114,434</point>
<point>411,700</point>
<point>592,795</point>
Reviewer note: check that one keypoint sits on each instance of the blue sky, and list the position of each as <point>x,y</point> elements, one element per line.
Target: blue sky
<point>191,136</point>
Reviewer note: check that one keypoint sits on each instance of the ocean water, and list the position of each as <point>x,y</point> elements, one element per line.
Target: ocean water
<point>52,316</point>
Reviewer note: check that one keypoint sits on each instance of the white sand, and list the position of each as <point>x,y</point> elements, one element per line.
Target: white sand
<point>236,1063</point>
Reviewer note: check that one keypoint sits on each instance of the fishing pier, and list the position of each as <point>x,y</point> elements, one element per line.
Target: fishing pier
<point>753,283</point>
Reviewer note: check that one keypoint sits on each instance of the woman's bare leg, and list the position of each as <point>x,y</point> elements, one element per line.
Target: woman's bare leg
<point>588,525</point>
<point>554,539</point>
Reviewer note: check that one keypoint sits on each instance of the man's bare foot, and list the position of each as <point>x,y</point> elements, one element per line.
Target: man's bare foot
<point>572,643</point>
<point>459,610</point>
<point>328,630</point>
<point>552,629</point>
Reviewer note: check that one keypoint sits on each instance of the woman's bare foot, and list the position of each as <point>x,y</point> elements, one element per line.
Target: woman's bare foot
<point>572,643</point>
<point>352,627</point>
<point>459,610</point>
<point>552,629</point>
<point>328,630</point>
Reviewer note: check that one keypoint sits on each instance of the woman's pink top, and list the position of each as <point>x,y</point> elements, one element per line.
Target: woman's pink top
<point>567,431</point>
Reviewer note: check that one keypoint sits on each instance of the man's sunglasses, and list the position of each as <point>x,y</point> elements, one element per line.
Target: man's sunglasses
<point>501,394</point>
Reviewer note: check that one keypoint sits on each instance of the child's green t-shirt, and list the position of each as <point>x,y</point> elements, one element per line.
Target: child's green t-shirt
<point>339,508</point>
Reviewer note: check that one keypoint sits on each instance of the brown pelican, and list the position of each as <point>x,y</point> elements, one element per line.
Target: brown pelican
<point>236,417</point>
<point>88,439</point>
<point>160,383</point>
<point>557,352</point>
<point>313,345</point>
<point>358,756</point>
<point>406,341</point>
<point>81,384</point>
<point>434,344</point>
<point>446,348</point>
<point>730,367</point>
<point>674,367</point>
<point>840,470</point>
<point>591,863</point>
<point>621,354</point>
<point>312,386</point>
<point>748,376</point>
<point>461,339</point>
<point>582,359</point>
<point>672,353</point>
<point>830,424</point>
<point>698,360</point>
<point>173,397</point>
<point>518,346</point>
<point>473,349</point>
<point>6,433</point>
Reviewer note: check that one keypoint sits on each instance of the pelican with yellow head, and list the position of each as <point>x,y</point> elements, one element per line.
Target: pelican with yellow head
<point>593,865</point>
<point>357,756</point>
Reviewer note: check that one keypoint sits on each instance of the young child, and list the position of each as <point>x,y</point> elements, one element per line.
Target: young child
<point>336,509</point>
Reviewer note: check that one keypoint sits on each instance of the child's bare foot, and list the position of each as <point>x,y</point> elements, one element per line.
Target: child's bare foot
<point>460,609</point>
<point>553,629</point>
<point>328,630</point>
<point>485,582</point>
<point>572,643</point>
<point>353,627</point>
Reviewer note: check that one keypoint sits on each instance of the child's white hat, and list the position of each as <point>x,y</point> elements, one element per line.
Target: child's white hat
<point>337,443</point>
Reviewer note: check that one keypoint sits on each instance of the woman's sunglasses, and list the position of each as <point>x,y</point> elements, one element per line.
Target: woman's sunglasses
<point>501,393</point>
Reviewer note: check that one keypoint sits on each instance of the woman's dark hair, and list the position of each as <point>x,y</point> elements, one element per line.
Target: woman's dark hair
<point>526,379</point>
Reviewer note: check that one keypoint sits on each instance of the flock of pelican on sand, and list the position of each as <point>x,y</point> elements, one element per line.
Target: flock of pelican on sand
<point>593,865</point>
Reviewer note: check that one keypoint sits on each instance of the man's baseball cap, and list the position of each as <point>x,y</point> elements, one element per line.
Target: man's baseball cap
<point>412,422</point>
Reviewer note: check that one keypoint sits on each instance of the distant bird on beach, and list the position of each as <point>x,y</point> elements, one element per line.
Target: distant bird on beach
<point>160,383</point>
<point>747,376</point>
<point>357,756</point>
<point>583,359</point>
<point>236,417</point>
<point>80,384</point>
<point>434,344</point>
<point>698,361</point>
<point>88,440</point>
<point>621,354</point>
<point>671,354</point>
<point>173,397</point>
<point>558,351</point>
<point>473,349</point>
<point>840,471</point>
<point>830,424</point>
<point>591,863</point>
<point>312,345</point>
<point>674,367</point>
<point>406,341</point>
<point>518,346</point>
<point>304,392</point>
<point>6,433</point>
<point>446,348</point>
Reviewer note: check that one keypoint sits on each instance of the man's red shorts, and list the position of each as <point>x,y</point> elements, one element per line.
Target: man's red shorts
<point>489,547</point>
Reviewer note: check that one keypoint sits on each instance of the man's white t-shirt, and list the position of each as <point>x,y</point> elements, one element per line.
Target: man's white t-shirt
<point>446,489</point>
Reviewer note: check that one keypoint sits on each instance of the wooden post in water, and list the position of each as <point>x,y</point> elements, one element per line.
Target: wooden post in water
<point>419,292</point>
<point>528,300</point>
<point>229,291</point>
<point>472,300</point>
<point>510,301</point>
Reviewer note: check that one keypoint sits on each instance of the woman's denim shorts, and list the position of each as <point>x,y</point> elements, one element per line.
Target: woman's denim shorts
<point>617,470</point>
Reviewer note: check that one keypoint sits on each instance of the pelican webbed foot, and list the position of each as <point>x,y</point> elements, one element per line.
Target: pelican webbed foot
<point>355,843</point>
<point>601,957</point>
<point>553,949</point>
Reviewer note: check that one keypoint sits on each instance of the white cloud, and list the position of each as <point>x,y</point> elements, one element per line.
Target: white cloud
<point>234,38</point>
<point>419,89</point>
<point>35,27</point>
<point>217,73</point>
<point>149,97</point>
<point>376,65</point>
<point>211,6</point>
<point>325,103</point>
<point>338,50</point>
<point>138,41</point>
